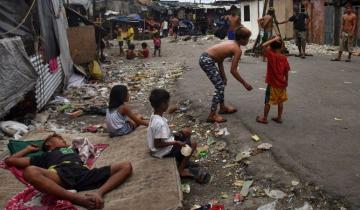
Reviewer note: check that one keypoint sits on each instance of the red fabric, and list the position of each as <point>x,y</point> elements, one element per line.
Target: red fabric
<point>157,42</point>
<point>32,199</point>
<point>53,65</point>
<point>146,52</point>
<point>277,67</point>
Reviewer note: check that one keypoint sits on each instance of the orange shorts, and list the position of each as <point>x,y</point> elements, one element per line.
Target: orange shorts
<point>275,96</point>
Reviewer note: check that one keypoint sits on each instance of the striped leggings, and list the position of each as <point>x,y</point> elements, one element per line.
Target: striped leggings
<point>208,65</point>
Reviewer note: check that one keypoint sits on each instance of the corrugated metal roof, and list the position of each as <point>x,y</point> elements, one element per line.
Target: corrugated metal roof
<point>47,82</point>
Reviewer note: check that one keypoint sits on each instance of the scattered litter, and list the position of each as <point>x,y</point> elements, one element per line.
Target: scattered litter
<point>306,206</point>
<point>238,198</point>
<point>347,82</point>
<point>263,89</point>
<point>14,129</point>
<point>265,146</point>
<point>42,117</point>
<point>338,119</point>
<point>230,165</point>
<point>224,195</point>
<point>210,140</point>
<point>255,137</point>
<point>203,151</point>
<point>295,183</point>
<point>269,206</point>
<point>59,100</point>
<point>222,132</point>
<point>246,187</point>
<point>243,155</point>
<point>239,183</point>
<point>293,72</point>
<point>220,146</point>
<point>92,128</point>
<point>275,194</point>
<point>185,188</point>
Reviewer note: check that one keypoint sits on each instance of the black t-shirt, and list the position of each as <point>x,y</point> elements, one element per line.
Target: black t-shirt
<point>55,157</point>
<point>299,21</point>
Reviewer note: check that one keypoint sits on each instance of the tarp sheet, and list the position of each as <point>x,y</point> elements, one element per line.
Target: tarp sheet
<point>47,28</point>
<point>60,27</point>
<point>11,14</point>
<point>17,74</point>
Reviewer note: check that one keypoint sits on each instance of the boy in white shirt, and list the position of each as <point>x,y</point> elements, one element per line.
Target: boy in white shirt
<point>161,141</point>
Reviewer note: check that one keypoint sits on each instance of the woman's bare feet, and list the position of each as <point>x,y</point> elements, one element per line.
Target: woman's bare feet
<point>227,110</point>
<point>216,118</point>
<point>261,120</point>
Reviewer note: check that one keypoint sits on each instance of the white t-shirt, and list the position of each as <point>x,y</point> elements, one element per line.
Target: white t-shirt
<point>159,129</point>
<point>165,25</point>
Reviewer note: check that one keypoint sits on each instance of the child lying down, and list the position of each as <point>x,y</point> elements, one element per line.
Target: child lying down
<point>60,169</point>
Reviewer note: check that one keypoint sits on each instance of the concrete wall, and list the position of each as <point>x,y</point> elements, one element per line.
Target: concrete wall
<point>256,9</point>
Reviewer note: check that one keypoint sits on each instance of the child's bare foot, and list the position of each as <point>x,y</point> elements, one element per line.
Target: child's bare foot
<point>227,110</point>
<point>261,120</point>
<point>96,199</point>
<point>277,120</point>
<point>216,118</point>
<point>89,202</point>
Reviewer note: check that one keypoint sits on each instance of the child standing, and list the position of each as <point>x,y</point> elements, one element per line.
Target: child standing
<point>216,55</point>
<point>157,44</point>
<point>161,141</point>
<point>276,78</point>
<point>117,115</point>
<point>120,40</point>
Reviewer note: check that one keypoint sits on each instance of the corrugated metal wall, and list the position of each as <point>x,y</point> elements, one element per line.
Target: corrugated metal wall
<point>47,82</point>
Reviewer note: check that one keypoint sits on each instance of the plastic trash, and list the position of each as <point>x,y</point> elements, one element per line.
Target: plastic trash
<point>185,188</point>
<point>276,194</point>
<point>265,146</point>
<point>186,150</point>
<point>60,100</point>
<point>255,138</point>
<point>269,206</point>
<point>306,206</point>
<point>14,129</point>
<point>246,187</point>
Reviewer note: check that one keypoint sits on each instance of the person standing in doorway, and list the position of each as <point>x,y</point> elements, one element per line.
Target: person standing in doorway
<point>175,22</point>
<point>348,26</point>
<point>300,20</point>
<point>130,35</point>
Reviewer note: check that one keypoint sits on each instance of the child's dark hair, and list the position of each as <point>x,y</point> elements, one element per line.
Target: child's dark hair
<point>45,147</point>
<point>144,45</point>
<point>242,33</point>
<point>118,95</point>
<point>233,7</point>
<point>158,97</point>
<point>131,47</point>
<point>276,45</point>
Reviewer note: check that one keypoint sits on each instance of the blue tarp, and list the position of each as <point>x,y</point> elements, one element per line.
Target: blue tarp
<point>133,18</point>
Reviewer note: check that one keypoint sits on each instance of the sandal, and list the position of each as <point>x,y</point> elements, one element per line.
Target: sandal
<point>260,120</point>
<point>348,60</point>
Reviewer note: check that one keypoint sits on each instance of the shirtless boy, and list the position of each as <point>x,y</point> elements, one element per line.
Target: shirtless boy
<point>266,24</point>
<point>175,22</point>
<point>234,22</point>
<point>216,55</point>
<point>347,33</point>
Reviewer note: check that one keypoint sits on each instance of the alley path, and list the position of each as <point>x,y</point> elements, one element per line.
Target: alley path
<point>319,139</point>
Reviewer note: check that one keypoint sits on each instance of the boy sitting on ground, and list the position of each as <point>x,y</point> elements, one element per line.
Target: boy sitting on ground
<point>60,169</point>
<point>276,78</point>
<point>130,53</point>
<point>161,141</point>
<point>144,53</point>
